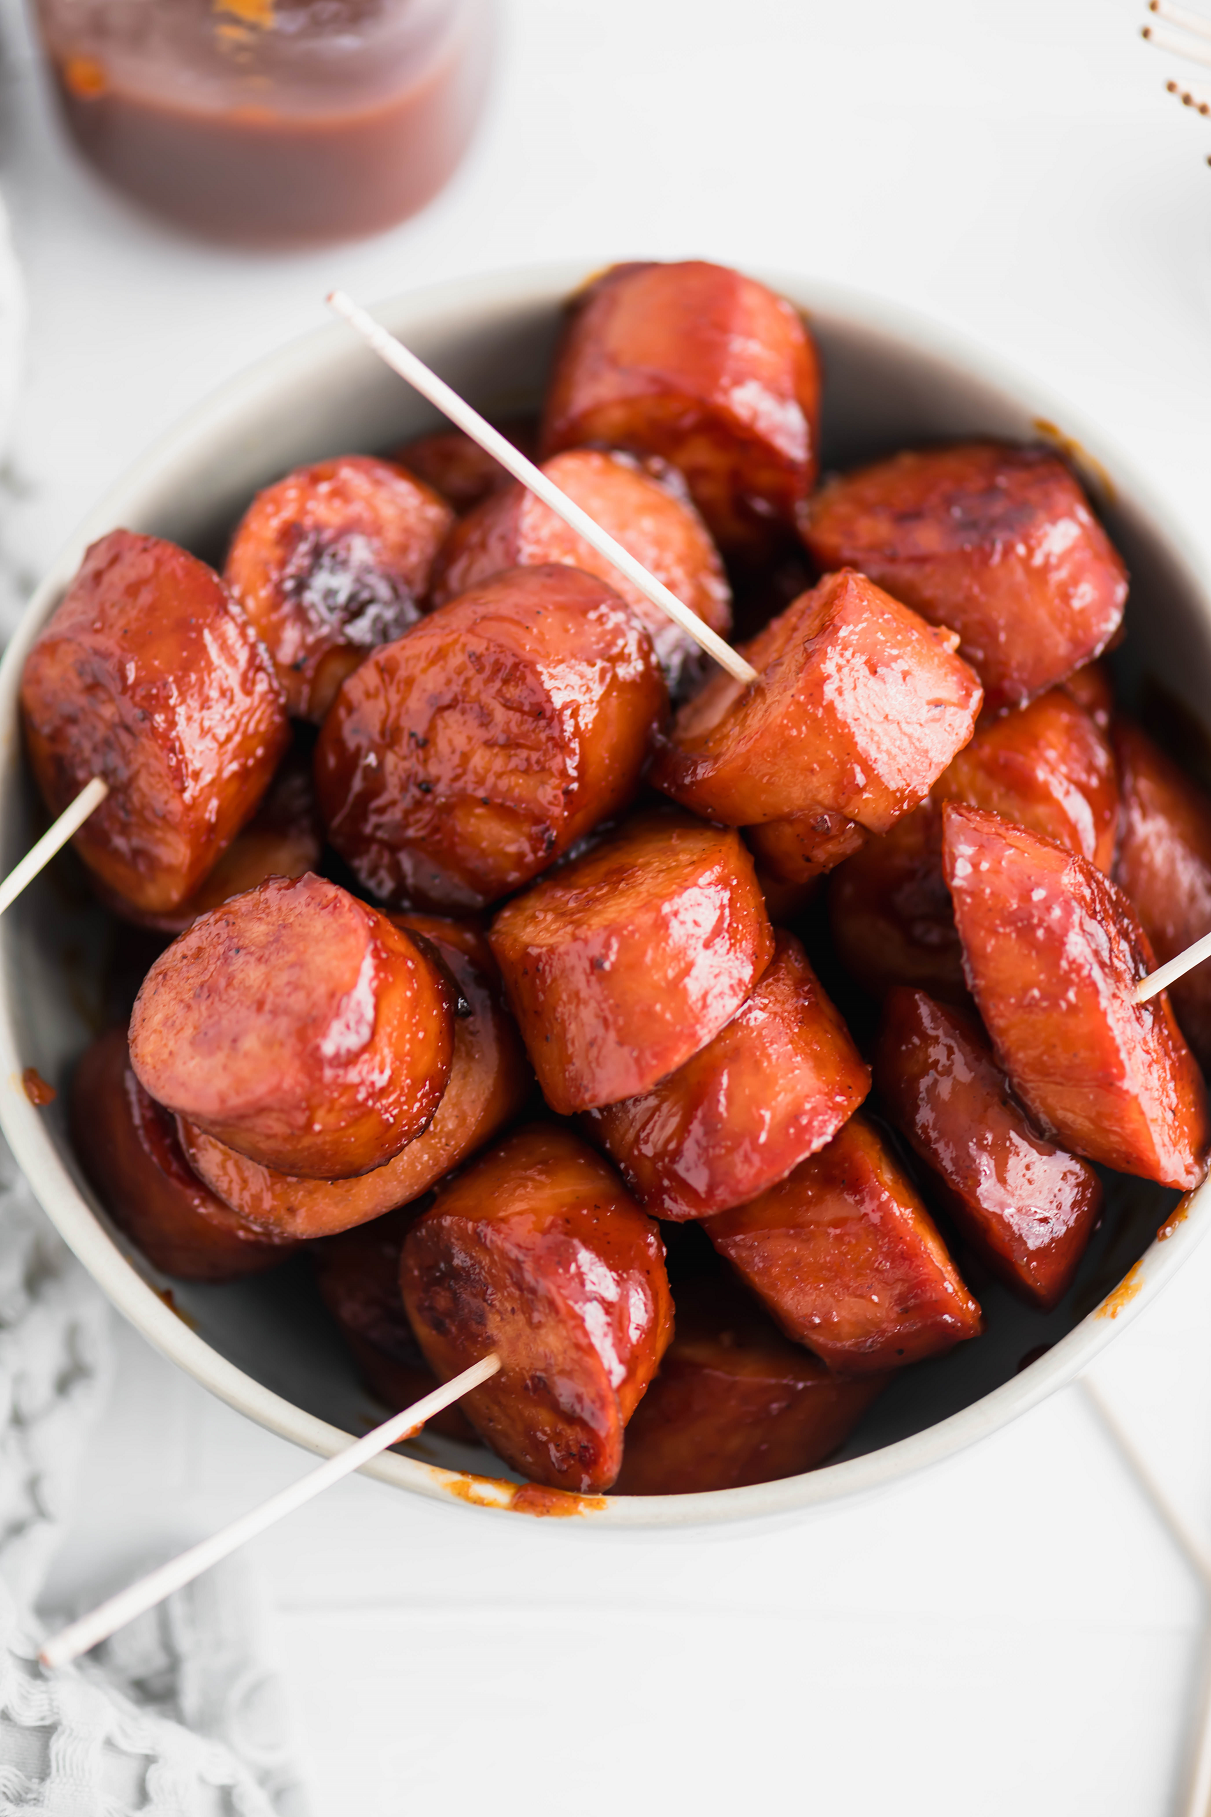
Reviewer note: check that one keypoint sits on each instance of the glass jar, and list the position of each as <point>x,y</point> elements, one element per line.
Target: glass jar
<point>272,122</point>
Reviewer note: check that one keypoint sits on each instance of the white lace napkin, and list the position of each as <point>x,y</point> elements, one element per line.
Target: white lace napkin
<point>177,1715</point>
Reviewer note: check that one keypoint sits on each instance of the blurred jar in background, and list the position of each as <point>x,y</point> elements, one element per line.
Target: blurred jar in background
<point>272,122</point>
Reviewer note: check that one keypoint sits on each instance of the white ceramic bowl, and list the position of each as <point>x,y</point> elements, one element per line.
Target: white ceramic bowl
<point>265,1345</point>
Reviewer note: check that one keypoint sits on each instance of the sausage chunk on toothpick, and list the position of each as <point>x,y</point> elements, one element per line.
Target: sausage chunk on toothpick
<point>706,368</point>
<point>858,707</point>
<point>149,677</point>
<point>848,1261</point>
<point>775,1084</point>
<point>538,1253</point>
<point>631,958</point>
<point>1026,1206</point>
<point>331,561</point>
<point>640,507</point>
<point>994,541</point>
<point>1048,767</point>
<point>300,1027</point>
<point>735,1402</point>
<point>127,1145</point>
<point>1164,868</point>
<point>460,761</point>
<point>490,1080</point>
<point>1053,952</point>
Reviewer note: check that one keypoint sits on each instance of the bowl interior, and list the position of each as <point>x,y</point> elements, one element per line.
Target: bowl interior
<point>266,1344</point>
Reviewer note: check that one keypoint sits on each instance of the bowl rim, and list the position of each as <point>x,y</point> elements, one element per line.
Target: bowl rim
<point>30,1138</point>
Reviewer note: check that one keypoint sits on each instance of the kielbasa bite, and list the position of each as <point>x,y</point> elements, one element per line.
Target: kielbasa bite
<point>1164,869</point>
<point>490,1080</point>
<point>298,1026</point>
<point>774,1085</point>
<point>707,369</point>
<point>462,760</point>
<point>127,1145</point>
<point>631,958</point>
<point>734,1402</point>
<point>331,561</point>
<point>1026,1206</point>
<point>538,1253</point>
<point>1053,952</point>
<point>858,707</point>
<point>640,508</point>
<point>150,677</point>
<point>848,1261</point>
<point>996,542</point>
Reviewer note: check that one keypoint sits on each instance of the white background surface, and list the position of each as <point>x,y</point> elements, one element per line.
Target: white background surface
<point>1014,1633</point>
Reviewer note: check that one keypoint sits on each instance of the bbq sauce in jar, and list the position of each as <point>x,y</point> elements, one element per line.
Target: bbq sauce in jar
<point>272,122</point>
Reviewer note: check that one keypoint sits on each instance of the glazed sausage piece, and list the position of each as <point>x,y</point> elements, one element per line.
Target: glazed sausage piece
<point>631,958</point>
<point>458,468</point>
<point>994,541</point>
<point>642,509</point>
<point>848,1260</point>
<point>298,1026</point>
<point>490,1081</point>
<point>149,676</point>
<point>1046,767</point>
<point>462,760</point>
<point>537,1252</point>
<point>283,839</point>
<point>331,561</point>
<point>858,708</point>
<point>1024,1205</point>
<point>775,1084</point>
<point>734,1402</point>
<point>1053,952</point>
<point>804,847</point>
<point>128,1148</point>
<point>707,369</point>
<point>1093,691</point>
<point>890,911</point>
<point>1164,868</point>
<point>357,1274</point>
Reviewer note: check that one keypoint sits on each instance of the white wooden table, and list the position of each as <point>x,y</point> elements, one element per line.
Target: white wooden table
<point>1014,1633</point>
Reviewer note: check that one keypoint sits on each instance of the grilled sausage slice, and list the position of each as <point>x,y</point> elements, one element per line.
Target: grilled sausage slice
<point>331,561</point>
<point>283,839</point>
<point>650,516</point>
<point>858,708</point>
<point>149,676</point>
<point>707,369</point>
<point>1047,767</point>
<point>775,1084</point>
<point>298,1026</point>
<point>1164,868</point>
<point>994,541</point>
<point>848,1260</point>
<point>734,1402</point>
<point>128,1148</point>
<point>1026,1206</point>
<point>802,848</point>
<point>462,760</point>
<point>1053,952</point>
<point>538,1253</point>
<point>631,958</point>
<point>490,1080</point>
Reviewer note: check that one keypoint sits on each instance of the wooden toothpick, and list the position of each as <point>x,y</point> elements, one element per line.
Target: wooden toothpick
<point>1173,969</point>
<point>91,1629</point>
<point>402,360</point>
<point>53,840</point>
